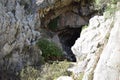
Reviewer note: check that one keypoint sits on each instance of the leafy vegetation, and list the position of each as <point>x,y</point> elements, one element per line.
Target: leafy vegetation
<point>55,70</point>
<point>110,10</point>
<point>50,51</point>
<point>99,2</point>
<point>47,71</point>
<point>29,73</point>
<point>84,27</point>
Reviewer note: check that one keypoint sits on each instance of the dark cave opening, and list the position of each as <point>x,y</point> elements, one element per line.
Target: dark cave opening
<point>67,38</point>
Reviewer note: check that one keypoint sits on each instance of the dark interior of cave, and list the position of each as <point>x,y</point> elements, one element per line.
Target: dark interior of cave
<point>67,36</point>
<point>67,39</point>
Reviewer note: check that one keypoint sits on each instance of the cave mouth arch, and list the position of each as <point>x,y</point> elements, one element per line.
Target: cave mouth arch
<point>67,38</point>
<point>67,27</point>
<point>67,33</point>
<point>67,23</point>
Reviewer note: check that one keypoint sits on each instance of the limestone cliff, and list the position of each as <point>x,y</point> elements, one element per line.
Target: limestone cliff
<point>18,34</point>
<point>96,45</point>
<point>97,50</point>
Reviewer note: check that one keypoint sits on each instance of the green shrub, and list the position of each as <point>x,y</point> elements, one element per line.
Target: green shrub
<point>50,51</point>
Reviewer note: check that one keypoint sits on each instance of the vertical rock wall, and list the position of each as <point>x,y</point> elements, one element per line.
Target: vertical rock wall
<point>19,28</point>
<point>18,34</point>
<point>97,50</point>
<point>108,67</point>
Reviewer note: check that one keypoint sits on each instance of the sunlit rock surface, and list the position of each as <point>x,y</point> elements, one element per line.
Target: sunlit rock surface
<point>97,49</point>
<point>108,66</point>
<point>65,78</point>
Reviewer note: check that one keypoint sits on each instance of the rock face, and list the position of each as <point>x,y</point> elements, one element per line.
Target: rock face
<point>18,34</point>
<point>72,20</point>
<point>65,78</point>
<point>109,60</point>
<point>20,22</point>
<point>97,50</point>
<point>72,12</point>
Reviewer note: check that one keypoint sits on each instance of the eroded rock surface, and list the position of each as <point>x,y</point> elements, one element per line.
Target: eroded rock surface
<point>97,50</point>
<point>18,34</point>
<point>65,78</point>
<point>108,66</point>
<point>72,20</point>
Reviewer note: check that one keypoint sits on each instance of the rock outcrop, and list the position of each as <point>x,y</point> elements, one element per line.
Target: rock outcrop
<point>97,49</point>
<point>64,78</point>
<point>18,34</point>
<point>109,59</point>
<point>20,22</point>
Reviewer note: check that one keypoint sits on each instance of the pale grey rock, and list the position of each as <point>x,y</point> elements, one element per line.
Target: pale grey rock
<point>97,50</point>
<point>72,20</point>
<point>44,3</point>
<point>108,66</point>
<point>19,14</point>
<point>56,40</point>
<point>8,48</point>
<point>38,2</point>
<point>18,33</point>
<point>87,47</point>
<point>65,78</point>
<point>89,39</point>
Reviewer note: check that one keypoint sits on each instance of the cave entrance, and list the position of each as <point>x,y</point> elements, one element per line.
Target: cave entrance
<point>67,37</point>
<point>67,27</point>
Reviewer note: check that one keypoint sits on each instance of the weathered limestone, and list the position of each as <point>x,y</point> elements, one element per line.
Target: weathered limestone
<point>108,66</point>
<point>97,50</point>
<point>18,34</point>
<point>19,28</point>
<point>65,78</point>
<point>72,20</point>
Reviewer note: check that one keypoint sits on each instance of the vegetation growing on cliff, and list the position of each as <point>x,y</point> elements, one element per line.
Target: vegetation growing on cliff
<point>50,51</point>
<point>99,2</point>
<point>46,72</point>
